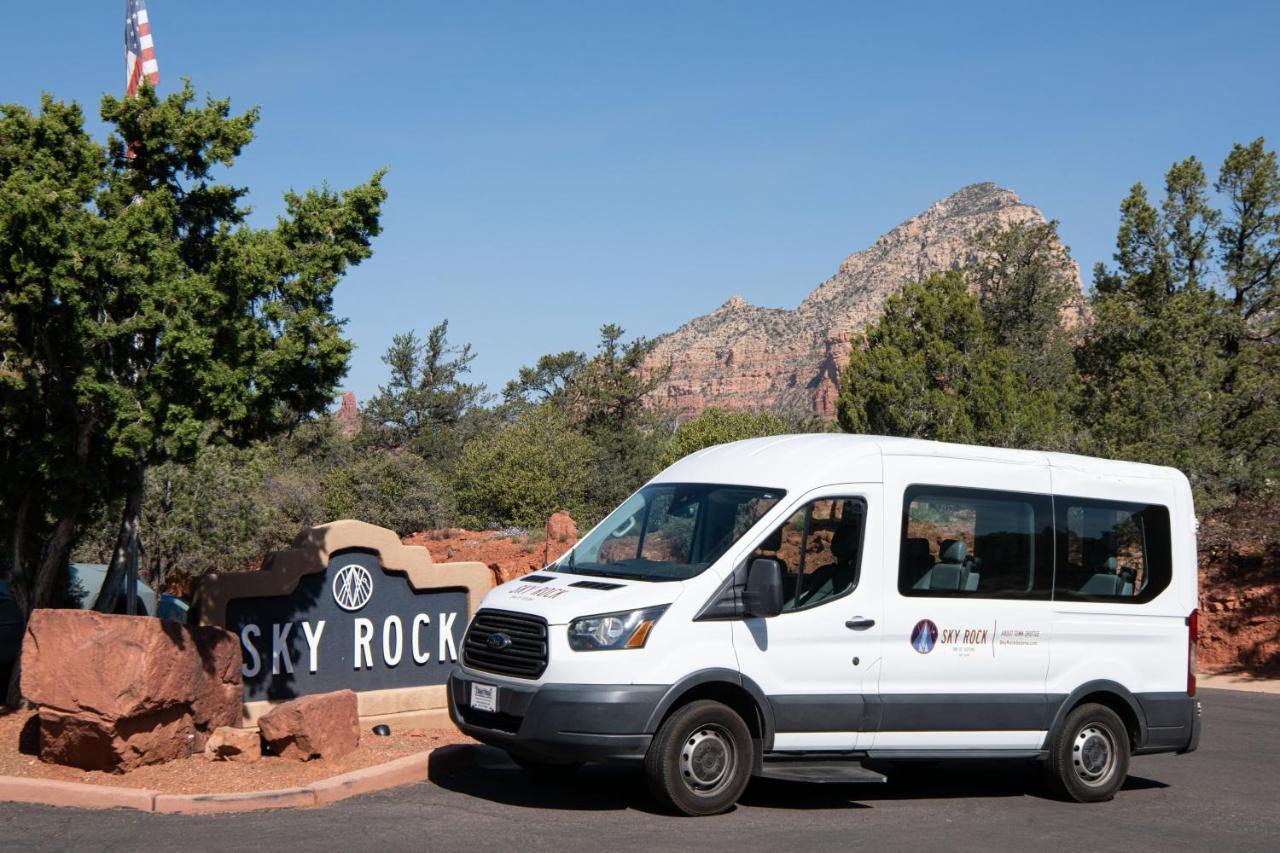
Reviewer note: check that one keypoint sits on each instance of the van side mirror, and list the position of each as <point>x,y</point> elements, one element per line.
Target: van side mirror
<point>763,595</point>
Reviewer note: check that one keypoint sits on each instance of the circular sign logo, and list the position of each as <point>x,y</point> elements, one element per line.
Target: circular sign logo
<point>352,586</point>
<point>923,636</point>
<point>498,641</point>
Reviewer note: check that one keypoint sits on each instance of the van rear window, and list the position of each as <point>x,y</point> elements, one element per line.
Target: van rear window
<point>1111,551</point>
<point>979,543</point>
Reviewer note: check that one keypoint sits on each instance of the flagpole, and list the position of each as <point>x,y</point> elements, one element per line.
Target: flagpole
<point>140,64</point>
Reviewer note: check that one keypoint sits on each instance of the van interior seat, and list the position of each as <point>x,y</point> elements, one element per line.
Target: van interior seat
<point>771,549</point>
<point>917,558</point>
<point>1108,581</point>
<point>1106,584</point>
<point>952,570</point>
<point>834,578</point>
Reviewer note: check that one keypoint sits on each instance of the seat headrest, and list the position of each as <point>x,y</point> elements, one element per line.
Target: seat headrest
<point>917,547</point>
<point>1102,583</point>
<point>773,541</point>
<point>845,541</point>
<point>942,576</point>
<point>952,551</point>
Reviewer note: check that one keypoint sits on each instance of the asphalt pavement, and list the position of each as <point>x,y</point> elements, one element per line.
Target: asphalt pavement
<point>1222,797</point>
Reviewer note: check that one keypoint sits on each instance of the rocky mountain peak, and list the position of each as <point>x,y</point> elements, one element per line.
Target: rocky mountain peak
<point>734,303</point>
<point>744,357</point>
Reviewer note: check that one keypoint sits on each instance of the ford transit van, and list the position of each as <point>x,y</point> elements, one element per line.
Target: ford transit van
<point>793,607</point>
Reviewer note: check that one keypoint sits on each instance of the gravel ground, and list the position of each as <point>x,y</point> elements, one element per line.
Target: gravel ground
<point>198,775</point>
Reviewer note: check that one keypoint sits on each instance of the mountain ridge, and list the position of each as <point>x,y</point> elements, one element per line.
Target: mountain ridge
<point>744,356</point>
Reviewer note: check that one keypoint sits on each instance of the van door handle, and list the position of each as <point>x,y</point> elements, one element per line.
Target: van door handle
<point>857,623</point>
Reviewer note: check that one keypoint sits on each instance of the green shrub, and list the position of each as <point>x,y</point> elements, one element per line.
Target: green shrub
<point>392,489</point>
<point>717,426</point>
<point>524,472</point>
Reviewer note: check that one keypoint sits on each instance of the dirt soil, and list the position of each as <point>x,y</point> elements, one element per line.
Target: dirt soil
<point>198,775</point>
<point>508,555</point>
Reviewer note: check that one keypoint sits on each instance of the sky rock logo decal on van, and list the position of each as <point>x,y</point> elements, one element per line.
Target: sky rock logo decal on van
<point>923,636</point>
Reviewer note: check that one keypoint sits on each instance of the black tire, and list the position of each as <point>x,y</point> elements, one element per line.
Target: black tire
<point>700,760</point>
<point>1089,755</point>
<point>545,769</point>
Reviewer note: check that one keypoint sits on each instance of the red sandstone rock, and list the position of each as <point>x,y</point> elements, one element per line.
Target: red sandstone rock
<point>348,415</point>
<point>219,697</point>
<point>118,692</point>
<point>561,527</point>
<point>326,725</point>
<point>228,743</point>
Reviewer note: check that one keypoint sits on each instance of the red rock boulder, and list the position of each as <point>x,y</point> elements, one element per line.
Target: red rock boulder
<point>325,725</point>
<point>232,744</point>
<point>119,692</point>
<point>561,527</point>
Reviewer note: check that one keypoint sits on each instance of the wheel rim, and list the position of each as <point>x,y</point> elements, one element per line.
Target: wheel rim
<point>1093,755</point>
<point>707,760</point>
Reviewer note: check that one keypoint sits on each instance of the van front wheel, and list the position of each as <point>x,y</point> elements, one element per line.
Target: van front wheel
<point>1089,757</point>
<point>700,759</point>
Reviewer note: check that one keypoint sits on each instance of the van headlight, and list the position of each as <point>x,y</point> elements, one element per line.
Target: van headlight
<point>626,630</point>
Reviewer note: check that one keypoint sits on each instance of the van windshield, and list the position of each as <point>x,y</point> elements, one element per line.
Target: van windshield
<point>669,531</point>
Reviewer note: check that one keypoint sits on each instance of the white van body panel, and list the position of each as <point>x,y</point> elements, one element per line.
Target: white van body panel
<point>795,656</point>
<point>1121,642</point>
<point>847,675</point>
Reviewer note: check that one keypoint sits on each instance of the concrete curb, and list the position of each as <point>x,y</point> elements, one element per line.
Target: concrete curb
<point>22,789</point>
<point>419,767</point>
<point>1237,681</point>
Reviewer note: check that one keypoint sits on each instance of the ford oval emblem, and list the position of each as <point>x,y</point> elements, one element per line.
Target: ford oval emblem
<point>498,641</point>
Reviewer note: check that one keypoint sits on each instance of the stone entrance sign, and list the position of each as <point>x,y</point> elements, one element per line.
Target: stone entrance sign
<point>347,607</point>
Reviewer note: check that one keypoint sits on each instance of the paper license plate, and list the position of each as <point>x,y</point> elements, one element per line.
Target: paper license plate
<point>484,697</point>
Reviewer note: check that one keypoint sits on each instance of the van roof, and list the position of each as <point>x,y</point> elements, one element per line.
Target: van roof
<point>788,461</point>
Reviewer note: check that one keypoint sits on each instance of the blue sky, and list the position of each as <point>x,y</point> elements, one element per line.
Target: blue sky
<point>557,166</point>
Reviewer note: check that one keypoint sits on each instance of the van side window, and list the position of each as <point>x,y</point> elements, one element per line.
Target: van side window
<point>1111,551</point>
<point>820,549</point>
<point>975,543</point>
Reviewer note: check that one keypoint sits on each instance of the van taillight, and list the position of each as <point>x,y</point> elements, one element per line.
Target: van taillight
<point>1193,636</point>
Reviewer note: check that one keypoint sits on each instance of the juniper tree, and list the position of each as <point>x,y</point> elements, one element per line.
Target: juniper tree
<point>143,318</point>
<point>425,401</point>
<point>1032,304</point>
<point>931,368</point>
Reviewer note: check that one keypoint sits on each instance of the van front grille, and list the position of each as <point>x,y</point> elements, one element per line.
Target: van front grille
<point>522,655</point>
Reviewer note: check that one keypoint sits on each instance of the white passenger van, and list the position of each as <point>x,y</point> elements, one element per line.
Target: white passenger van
<point>791,607</point>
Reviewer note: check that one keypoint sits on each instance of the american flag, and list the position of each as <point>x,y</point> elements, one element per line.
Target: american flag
<point>139,52</point>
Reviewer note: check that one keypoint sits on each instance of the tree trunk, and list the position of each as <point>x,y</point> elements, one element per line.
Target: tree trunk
<point>53,562</point>
<point>16,542</point>
<point>127,545</point>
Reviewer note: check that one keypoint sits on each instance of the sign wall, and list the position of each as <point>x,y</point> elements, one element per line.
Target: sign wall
<point>348,607</point>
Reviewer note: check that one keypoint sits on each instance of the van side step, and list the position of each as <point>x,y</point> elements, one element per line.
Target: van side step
<point>841,771</point>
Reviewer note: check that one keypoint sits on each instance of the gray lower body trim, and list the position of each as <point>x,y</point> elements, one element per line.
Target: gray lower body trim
<point>950,712</point>
<point>559,722</point>
<point>817,713</point>
<point>1172,722</point>
<point>967,712</point>
<point>594,722</point>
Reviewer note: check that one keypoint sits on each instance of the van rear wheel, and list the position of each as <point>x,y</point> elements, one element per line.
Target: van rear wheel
<point>1089,756</point>
<point>700,760</point>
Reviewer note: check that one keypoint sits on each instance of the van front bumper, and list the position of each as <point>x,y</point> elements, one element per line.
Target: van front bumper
<point>559,723</point>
